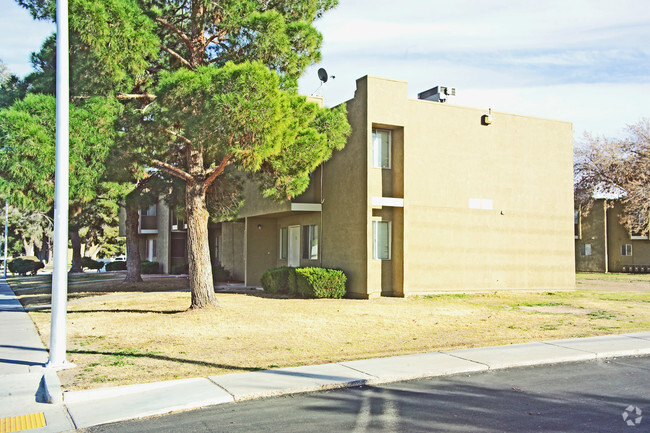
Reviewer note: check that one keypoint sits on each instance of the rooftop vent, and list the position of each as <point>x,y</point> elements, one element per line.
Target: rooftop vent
<point>437,94</point>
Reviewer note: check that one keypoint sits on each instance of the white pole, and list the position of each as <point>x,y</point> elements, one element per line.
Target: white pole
<point>6,232</point>
<point>61,170</point>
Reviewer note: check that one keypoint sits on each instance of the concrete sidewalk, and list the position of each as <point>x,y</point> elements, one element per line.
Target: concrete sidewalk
<point>22,357</point>
<point>26,387</point>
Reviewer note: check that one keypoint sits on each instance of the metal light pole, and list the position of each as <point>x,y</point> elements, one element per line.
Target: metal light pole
<point>6,233</point>
<point>61,172</point>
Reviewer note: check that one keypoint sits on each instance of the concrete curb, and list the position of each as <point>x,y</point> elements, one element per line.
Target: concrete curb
<point>93,407</point>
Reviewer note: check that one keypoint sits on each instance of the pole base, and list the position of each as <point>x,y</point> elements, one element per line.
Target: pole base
<point>58,366</point>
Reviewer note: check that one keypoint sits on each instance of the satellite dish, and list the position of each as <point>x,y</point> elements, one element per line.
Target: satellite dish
<point>322,75</point>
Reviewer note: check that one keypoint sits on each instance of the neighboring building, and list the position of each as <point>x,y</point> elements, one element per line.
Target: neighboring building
<point>603,244</point>
<point>163,237</point>
<point>426,197</point>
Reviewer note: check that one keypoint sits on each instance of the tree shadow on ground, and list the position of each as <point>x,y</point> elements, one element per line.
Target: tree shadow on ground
<point>161,358</point>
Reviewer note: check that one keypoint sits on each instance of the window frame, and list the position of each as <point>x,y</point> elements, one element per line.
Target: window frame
<point>375,240</point>
<point>626,250</point>
<point>309,234</point>
<point>377,157</point>
<point>283,246</point>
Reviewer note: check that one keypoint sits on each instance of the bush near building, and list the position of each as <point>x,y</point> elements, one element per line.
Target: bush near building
<point>305,282</point>
<point>88,263</point>
<point>147,267</point>
<point>116,266</point>
<point>24,265</point>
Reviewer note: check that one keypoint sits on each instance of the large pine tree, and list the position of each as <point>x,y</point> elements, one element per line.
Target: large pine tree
<point>217,94</point>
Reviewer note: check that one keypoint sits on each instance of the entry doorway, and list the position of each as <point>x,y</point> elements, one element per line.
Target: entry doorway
<point>294,247</point>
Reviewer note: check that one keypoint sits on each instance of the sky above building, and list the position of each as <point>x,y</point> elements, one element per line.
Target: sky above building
<point>583,61</point>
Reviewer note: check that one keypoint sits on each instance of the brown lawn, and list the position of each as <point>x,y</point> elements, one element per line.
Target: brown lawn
<point>122,334</point>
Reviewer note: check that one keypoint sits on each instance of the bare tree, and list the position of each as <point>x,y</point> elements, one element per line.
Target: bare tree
<point>617,168</point>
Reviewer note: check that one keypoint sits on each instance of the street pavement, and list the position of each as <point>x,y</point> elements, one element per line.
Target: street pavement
<point>28,388</point>
<point>609,395</point>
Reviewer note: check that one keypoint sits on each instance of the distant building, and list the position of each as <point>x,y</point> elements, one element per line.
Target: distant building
<point>603,244</point>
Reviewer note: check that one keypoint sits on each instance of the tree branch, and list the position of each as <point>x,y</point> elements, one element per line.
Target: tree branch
<point>211,39</point>
<point>183,36</point>
<point>177,135</point>
<point>135,96</point>
<point>178,56</point>
<point>174,171</point>
<point>216,171</point>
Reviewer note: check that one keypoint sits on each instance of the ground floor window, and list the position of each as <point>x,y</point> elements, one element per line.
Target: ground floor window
<point>283,243</point>
<point>381,240</point>
<point>310,242</point>
<point>151,250</point>
<point>585,249</point>
<point>626,250</point>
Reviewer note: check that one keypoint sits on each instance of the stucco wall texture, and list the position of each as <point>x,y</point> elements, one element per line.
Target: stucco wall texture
<point>485,207</point>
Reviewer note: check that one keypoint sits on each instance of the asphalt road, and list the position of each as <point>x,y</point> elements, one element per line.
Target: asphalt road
<point>576,397</point>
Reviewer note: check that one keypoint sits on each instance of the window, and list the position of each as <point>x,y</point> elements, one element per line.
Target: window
<point>150,211</point>
<point>585,249</point>
<point>178,223</point>
<point>639,226</point>
<point>381,240</point>
<point>626,250</point>
<point>381,148</point>
<point>310,242</point>
<point>576,223</point>
<point>151,249</point>
<point>283,243</point>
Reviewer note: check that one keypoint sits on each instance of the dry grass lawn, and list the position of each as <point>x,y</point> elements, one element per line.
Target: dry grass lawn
<point>121,334</point>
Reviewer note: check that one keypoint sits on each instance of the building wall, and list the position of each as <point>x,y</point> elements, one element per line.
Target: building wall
<point>232,249</point>
<point>444,162</point>
<point>592,232</point>
<point>345,202</point>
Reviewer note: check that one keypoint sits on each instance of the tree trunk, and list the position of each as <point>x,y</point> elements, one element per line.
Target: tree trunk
<point>28,246</point>
<point>132,245</point>
<point>76,251</point>
<point>198,249</point>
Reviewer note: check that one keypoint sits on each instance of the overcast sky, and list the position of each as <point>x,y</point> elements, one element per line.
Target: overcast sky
<point>584,61</point>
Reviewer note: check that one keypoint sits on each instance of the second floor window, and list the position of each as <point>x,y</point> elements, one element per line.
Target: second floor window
<point>381,148</point>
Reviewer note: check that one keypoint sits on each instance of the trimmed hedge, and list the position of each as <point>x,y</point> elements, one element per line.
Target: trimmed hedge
<point>147,267</point>
<point>220,274</point>
<point>319,283</point>
<point>87,262</point>
<point>24,265</point>
<point>305,282</point>
<point>276,280</point>
<point>116,266</point>
<point>181,269</point>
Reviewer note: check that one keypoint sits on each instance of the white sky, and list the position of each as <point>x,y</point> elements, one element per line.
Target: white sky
<point>584,61</point>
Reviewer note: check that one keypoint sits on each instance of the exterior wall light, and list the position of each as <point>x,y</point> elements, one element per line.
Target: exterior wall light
<point>486,119</point>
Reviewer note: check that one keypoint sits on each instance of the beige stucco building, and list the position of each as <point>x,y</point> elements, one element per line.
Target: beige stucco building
<point>603,244</point>
<point>426,197</point>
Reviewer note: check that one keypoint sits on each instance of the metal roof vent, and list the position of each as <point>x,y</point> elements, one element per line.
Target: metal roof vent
<point>437,94</point>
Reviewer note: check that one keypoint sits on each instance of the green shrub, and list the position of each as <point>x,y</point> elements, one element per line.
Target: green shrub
<point>116,266</point>
<point>220,274</point>
<point>305,282</point>
<point>319,283</point>
<point>25,265</point>
<point>147,267</point>
<point>276,280</point>
<point>88,263</point>
<point>183,268</point>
